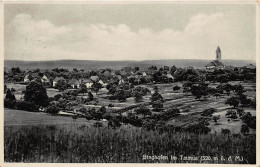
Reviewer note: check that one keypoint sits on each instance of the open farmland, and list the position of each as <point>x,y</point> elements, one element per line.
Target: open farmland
<point>190,107</point>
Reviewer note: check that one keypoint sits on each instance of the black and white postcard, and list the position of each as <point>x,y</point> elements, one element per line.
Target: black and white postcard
<point>129,82</point>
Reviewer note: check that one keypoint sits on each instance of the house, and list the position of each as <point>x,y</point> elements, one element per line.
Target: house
<point>127,69</point>
<point>114,80</point>
<point>169,76</point>
<point>102,82</point>
<point>94,78</point>
<point>56,80</point>
<point>107,74</point>
<point>112,73</point>
<point>26,78</point>
<point>123,73</point>
<point>74,83</point>
<point>87,82</point>
<point>45,79</point>
<point>144,74</point>
<point>121,81</point>
<point>250,66</point>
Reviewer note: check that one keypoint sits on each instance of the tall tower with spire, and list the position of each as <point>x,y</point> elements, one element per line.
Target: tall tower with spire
<point>218,54</point>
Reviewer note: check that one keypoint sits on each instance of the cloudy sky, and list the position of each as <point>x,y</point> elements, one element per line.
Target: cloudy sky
<point>129,31</point>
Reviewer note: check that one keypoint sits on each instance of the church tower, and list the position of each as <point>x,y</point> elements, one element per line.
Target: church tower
<point>218,54</point>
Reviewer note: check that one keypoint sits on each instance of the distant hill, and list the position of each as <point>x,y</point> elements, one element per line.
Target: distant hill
<point>87,64</point>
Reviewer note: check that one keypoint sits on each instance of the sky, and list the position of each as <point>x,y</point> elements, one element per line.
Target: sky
<point>123,31</point>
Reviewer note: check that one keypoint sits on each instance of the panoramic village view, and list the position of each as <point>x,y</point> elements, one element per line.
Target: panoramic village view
<point>175,86</point>
<point>106,115</point>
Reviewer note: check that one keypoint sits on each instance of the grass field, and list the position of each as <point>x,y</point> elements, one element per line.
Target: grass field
<point>18,117</point>
<point>79,143</point>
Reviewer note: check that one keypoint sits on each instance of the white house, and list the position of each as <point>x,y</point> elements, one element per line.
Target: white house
<point>121,81</point>
<point>87,82</point>
<point>44,79</point>
<point>74,83</point>
<point>26,78</point>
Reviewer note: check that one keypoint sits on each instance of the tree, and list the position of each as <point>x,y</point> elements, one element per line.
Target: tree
<point>231,114</point>
<point>166,68</point>
<point>61,85</point>
<point>37,94</point>
<point>244,100</point>
<point>216,118</point>
<point>152,68</point>
<point>13,90</point>
<point>83,89</point>
<point>222,78</point>
<point>199,90</point>
<point>249,120</point>
<point>121,96</point>
<point>136,69</point>
<point>15,70</point>
<point>225,131</point>
<point>96,86</point>
<point>208,112</point>
<point>240,112</point>
<point>53,109</point>
<point>171,113</point>
<point>239,89</point>
<point>9,95</point>
<point>176,87</point>
<point>90,96</point>
<point>244,129</point>
<point>233,101</point>
<point>103,109</point>
<point>220,89</point>
<point>138,96</point>
<point>157,99</point>
<point>157,105</point>
<point>143,110</point>
<point>5,88</point>
<point>228,88</point>
<point>253,103</point>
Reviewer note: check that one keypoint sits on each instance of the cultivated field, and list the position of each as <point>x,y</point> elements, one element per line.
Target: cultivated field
<point>172,98</point>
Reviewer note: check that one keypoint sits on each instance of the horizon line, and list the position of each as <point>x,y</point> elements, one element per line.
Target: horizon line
<point>121,60</point>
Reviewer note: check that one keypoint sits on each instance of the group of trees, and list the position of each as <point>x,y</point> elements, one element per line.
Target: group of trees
<point>35,96</point>
<point>157,100</point>
<point>241,99</point>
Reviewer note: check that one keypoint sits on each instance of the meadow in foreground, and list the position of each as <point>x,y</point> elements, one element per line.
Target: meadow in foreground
<point>86,144</point>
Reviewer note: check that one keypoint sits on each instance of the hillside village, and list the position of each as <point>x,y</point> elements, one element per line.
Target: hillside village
<point>218,99</point>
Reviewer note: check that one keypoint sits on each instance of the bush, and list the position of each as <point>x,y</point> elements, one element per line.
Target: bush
<point>233,101</point>
<point>172,112</point>
<point>9,103</point>
<point>143,110</point>
<point>53,109</point>
<point>157,105</point>
<point>240,112</point>
<point>249,120</point>
<point>9,95</point>
<point>244,129</point>
<point>231,114</point>
<point>225,131</point>
<point>216,118</point>
<point>176,87</point>
<point>27,106</point>
<point>208,112</point>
